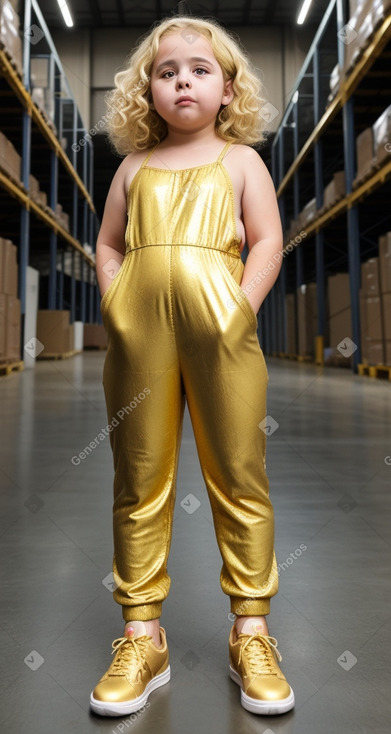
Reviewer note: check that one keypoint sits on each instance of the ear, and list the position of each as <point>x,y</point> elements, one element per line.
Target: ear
<point>228,93</point>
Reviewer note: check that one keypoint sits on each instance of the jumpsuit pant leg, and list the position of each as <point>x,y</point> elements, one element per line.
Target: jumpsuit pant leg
<point>172,330</point>
<point>225,378</point>
<point>145,401</point>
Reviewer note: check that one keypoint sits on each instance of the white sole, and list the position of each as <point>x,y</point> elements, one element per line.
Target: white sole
<point>266,708</point>
<point>122,708</point>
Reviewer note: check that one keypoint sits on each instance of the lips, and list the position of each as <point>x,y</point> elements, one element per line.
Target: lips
<point>184,99</point>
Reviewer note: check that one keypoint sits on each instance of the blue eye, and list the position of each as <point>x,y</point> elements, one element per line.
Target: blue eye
<point>199,68</point>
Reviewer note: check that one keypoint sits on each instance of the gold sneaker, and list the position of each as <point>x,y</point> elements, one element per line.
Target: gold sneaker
<point>138,668</point>
<point>254,667</point>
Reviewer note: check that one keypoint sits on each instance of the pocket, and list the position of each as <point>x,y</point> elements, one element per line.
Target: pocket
<point>239,296</point>
<point>109,292</point>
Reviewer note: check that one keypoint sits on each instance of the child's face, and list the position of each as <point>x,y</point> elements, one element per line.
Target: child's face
<point>175,73</point>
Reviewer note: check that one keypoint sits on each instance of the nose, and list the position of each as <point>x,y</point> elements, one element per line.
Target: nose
<point>183,78</point>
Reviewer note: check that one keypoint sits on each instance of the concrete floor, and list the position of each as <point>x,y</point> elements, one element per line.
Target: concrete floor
<point>330,486</point>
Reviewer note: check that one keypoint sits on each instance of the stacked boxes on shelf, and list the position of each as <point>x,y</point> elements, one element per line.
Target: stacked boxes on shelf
<point>94,336</point>
<point>372,339</point>
<point>365,17</point>
<point>375,305</point>
<point>339,320</point>
<point>55,333</point>
<point>385,291</point>
<point>35,192</point>
<point>62,217</point>
<point>10,160</point>
<point>291,322</point>
<point>10,39</point>
<point>335,79</point>
<point>9,303</point>
<point>365,155</point>
<point>42,92</point>
<point>307,319</point>
<point>382,137</point>
<point>334,191</point>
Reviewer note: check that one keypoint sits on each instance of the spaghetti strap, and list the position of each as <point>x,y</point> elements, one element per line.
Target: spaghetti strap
<point>220,158</point>
<point>146,159</point>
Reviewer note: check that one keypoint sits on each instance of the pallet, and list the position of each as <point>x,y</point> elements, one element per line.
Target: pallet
<point>382,371</point>
<point>95,347</point>
<point>297,357</point>
<point>60,355</point>
<point>7,367</point>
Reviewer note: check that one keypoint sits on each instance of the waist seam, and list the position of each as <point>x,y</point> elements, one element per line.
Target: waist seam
<point>184,244</point>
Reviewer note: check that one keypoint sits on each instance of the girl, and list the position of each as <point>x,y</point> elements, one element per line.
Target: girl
<point>180,311</point>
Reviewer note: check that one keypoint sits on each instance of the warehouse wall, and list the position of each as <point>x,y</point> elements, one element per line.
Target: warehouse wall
<point>91,58</point>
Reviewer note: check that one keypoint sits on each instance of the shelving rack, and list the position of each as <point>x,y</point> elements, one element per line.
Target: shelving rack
<point>58,152</point>
<point>312,142</point>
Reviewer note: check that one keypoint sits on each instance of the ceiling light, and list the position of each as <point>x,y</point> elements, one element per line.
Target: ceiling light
<point>303,11</point>
<point>62,4</point>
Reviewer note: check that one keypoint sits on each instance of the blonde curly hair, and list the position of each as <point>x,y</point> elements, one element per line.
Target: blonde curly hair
<point>132,122</point>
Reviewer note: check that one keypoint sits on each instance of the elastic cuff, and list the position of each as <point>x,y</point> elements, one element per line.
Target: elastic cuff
<point>249,607</point>
<point>142,613</point>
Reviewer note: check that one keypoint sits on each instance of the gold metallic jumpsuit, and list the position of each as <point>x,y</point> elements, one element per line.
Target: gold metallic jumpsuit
<point>179,325</point>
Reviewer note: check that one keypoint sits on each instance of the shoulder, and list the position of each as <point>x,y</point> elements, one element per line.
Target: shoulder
<point>248,156</point>
<point>129,166</point>
<point>248,161</point>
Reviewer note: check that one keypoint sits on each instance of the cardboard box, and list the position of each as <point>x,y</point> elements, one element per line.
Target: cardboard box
<point>307,319</point>
<point>387,352</point>
<point>372,351</point>
<point>374,318</point>
<point>338,306</point>
<point>382,136</point>
<point>365,154</point>
<point>359,29</point>
<point>53,330</point>
<point>338,293</point>
<point>339,183</point>
<point>380,10</point>
<point>12,328</point>
<point>386,315</point>
<point>385,262</point>
<point>335,78</point>
<point>33,187</point>
<point>340,326</point>
<point>370,279</point>
<point>335,190</point>
<point>355,7</point>
<point>8,268</point>
<point>290,314</point>
<point>3,298</point>
<point>9,34</point>
<point>95,336</point>
<point>308,212</point>
<point>10,160</point>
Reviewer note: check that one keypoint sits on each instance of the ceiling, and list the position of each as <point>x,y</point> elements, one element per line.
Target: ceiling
<point>131,13</point>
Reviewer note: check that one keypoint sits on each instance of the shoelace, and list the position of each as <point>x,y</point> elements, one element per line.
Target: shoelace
<point>129,653</point>
<point>260,656</point>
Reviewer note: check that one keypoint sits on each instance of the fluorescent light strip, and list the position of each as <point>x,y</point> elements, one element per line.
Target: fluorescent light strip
<point>62,4</point>
<point>303,11</point>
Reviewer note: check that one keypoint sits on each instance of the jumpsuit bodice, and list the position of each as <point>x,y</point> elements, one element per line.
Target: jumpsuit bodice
<point>191,206</point>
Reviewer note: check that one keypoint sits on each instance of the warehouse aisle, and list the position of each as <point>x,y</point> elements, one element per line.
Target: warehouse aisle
<point>329,482</point>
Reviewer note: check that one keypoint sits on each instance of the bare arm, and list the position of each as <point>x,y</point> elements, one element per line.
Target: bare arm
<point>110,244</point>
<point>264,237</point>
